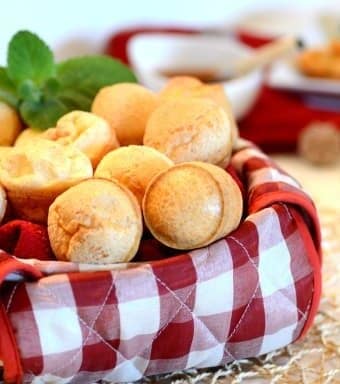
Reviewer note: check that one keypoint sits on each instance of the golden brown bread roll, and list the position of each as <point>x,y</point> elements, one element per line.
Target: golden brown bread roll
<point>88,132</point>
<point>35,175</point>
<point>216,93</point>
<point>134,166</point>
<point>27,137</point>
<point>179,86</point>
<point>127,108</point>
<point>334,47</point>
<point>192,205</point>
<point>96,221</point>
<point>4,150</point>
<point>322,61</point>
<point>190,130</point>
<point>185,86</point>
<point>10,124</point>
<point>315,63</point>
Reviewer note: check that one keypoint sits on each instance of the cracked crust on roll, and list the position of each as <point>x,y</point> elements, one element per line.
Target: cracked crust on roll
<point>91,134</point>
<point>34,175</point>
<point>186,86</point>
<point>190,130</point>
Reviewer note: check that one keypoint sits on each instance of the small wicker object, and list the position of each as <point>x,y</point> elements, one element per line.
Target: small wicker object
<point>319,143</point>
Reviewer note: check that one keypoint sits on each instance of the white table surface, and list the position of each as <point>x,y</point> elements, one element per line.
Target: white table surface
<point>322,183</point>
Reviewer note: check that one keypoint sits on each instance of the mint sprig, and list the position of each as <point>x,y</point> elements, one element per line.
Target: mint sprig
<point>42,91</point>
<point>28,57</point>
<point>43,113</point>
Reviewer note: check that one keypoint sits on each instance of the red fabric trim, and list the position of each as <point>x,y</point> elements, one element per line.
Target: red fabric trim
<point>8,350</point>
<point>9,353</point>
<point>25,240</point>
<point>278,118</point>
<point>9,264</point>
<point>314,259</point>
<point>267,200</point>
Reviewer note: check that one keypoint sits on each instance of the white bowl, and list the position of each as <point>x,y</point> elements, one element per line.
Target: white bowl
<point>273,23</point>
<point>151,53</point>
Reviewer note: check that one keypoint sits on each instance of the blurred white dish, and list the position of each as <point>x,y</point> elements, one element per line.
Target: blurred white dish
<point>284,75</point>
<point>152,54</point>
<point>273,23</point>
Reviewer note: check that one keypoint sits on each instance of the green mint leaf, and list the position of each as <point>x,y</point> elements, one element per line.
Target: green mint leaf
<point>7,89</point>
<point>51,87</point>
<point>75,99</point>
<point>81,78</point>
<point>29,91</point>
<point>44,113</point>
<point>29,58</point>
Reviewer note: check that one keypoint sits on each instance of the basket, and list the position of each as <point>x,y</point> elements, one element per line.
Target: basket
<point>250,293</point>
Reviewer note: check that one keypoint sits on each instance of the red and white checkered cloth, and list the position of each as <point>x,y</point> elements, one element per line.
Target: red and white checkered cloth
<point>248,294</point>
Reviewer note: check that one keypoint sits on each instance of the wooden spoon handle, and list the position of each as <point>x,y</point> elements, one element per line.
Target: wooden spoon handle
<point>266,54</point>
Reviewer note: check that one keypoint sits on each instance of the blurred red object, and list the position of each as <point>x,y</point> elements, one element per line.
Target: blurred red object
<point>25,240</point>
<point>252,40</point>
<point>278,117</point>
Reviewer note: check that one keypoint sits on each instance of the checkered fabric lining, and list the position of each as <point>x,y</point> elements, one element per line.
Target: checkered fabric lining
<point>242,296</point>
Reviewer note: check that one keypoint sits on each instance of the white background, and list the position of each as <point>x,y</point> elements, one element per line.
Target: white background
<point>77,27</point>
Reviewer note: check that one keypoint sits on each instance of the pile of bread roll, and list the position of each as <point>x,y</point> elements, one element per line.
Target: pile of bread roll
<point>138,161</point>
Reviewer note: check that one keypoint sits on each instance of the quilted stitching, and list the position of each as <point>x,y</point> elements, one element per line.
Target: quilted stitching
<point>90,328</point>
<point>183,304</point>
<point>10,300</point>
<point>251,299</point>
